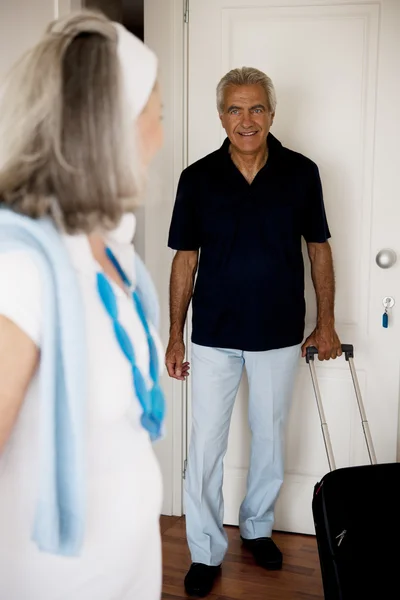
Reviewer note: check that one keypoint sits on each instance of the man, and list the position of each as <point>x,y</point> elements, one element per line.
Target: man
<point>245,209</point>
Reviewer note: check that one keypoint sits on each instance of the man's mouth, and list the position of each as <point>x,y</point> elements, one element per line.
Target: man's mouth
<point>247,133</point>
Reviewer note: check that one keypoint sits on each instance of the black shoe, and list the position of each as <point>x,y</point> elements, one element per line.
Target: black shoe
<point>266,553</point>
<point>200,580</point>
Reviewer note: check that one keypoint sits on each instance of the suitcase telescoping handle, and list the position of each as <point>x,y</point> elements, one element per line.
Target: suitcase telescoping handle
<point>348,351</point>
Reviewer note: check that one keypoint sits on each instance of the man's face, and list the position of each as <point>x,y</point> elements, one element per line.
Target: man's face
<point>246,118</point>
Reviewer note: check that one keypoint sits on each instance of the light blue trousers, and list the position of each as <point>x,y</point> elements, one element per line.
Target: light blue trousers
<point>216,375</point>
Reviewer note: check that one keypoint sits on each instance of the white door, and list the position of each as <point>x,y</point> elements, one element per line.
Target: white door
<point>336,68</point>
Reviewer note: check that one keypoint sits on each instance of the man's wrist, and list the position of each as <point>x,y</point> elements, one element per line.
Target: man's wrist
<point>176,334</point>
<point>326,323</point>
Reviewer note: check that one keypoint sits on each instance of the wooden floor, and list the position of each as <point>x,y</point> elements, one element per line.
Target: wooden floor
<point>241,579</point>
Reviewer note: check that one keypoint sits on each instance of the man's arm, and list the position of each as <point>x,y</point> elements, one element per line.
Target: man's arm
<point>324,336</point>
<point>183,272</point>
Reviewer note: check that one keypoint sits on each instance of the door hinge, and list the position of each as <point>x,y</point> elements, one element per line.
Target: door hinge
<point>186,12</point>
<point>184,469</point>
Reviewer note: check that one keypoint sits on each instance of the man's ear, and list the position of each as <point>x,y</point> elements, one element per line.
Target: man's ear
<point>272,118</point>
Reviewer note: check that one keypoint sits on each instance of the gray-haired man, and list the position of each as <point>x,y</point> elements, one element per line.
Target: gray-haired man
<point>246,207</point>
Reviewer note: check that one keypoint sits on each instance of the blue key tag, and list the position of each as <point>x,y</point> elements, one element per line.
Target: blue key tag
<point>388,303</point>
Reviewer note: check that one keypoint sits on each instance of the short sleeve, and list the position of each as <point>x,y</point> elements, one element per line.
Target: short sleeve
<point>315,227</point>
<point>184,231</point>
<point>20,292</point>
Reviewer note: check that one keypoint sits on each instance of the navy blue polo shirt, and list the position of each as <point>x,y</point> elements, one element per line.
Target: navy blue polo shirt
<point>249,291</point>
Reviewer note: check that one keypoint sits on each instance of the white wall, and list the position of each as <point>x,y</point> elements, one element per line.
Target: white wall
<point>164,34</point>
<point>22,22</point>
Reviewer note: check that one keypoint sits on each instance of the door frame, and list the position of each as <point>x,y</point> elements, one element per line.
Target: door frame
<point>170,42</point>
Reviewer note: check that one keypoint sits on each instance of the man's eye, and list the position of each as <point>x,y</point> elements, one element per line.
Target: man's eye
<point>257,110</point>
<point>234,112</point>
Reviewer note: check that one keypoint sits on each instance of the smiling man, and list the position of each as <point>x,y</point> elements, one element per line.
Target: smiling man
<point>244,210</point>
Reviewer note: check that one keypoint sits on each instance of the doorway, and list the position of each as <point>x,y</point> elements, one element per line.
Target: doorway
<point>336,74</point>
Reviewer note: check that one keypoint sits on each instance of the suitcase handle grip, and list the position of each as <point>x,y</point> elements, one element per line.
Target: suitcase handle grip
<point>347,349</point>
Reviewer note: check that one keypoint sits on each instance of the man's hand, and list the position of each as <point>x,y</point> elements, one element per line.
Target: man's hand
<point>183,272</point>
<point>327,342</point>
<point>177,369</point>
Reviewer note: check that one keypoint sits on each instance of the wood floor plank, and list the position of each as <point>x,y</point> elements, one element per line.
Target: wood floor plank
<point>241,579</point>
<point>167,522</point>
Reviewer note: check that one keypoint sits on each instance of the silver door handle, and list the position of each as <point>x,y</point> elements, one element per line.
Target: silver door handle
<point>386,258</point>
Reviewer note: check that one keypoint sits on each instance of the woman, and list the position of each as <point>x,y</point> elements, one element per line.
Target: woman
<point>80,488</point>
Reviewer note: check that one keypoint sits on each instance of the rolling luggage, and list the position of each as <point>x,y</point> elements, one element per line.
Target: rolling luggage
<point>356,514</point>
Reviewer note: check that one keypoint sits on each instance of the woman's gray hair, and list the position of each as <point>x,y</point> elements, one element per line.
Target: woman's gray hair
<point>67,145</point>
<point>246,76</point>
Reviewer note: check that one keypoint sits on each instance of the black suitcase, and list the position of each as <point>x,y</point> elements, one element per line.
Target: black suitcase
<point>356,514</point>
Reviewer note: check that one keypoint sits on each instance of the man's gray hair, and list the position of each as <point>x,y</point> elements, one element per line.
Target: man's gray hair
<point>246,76</point>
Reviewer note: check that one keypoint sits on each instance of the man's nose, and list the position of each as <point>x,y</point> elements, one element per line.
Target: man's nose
<point>247,121</point>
